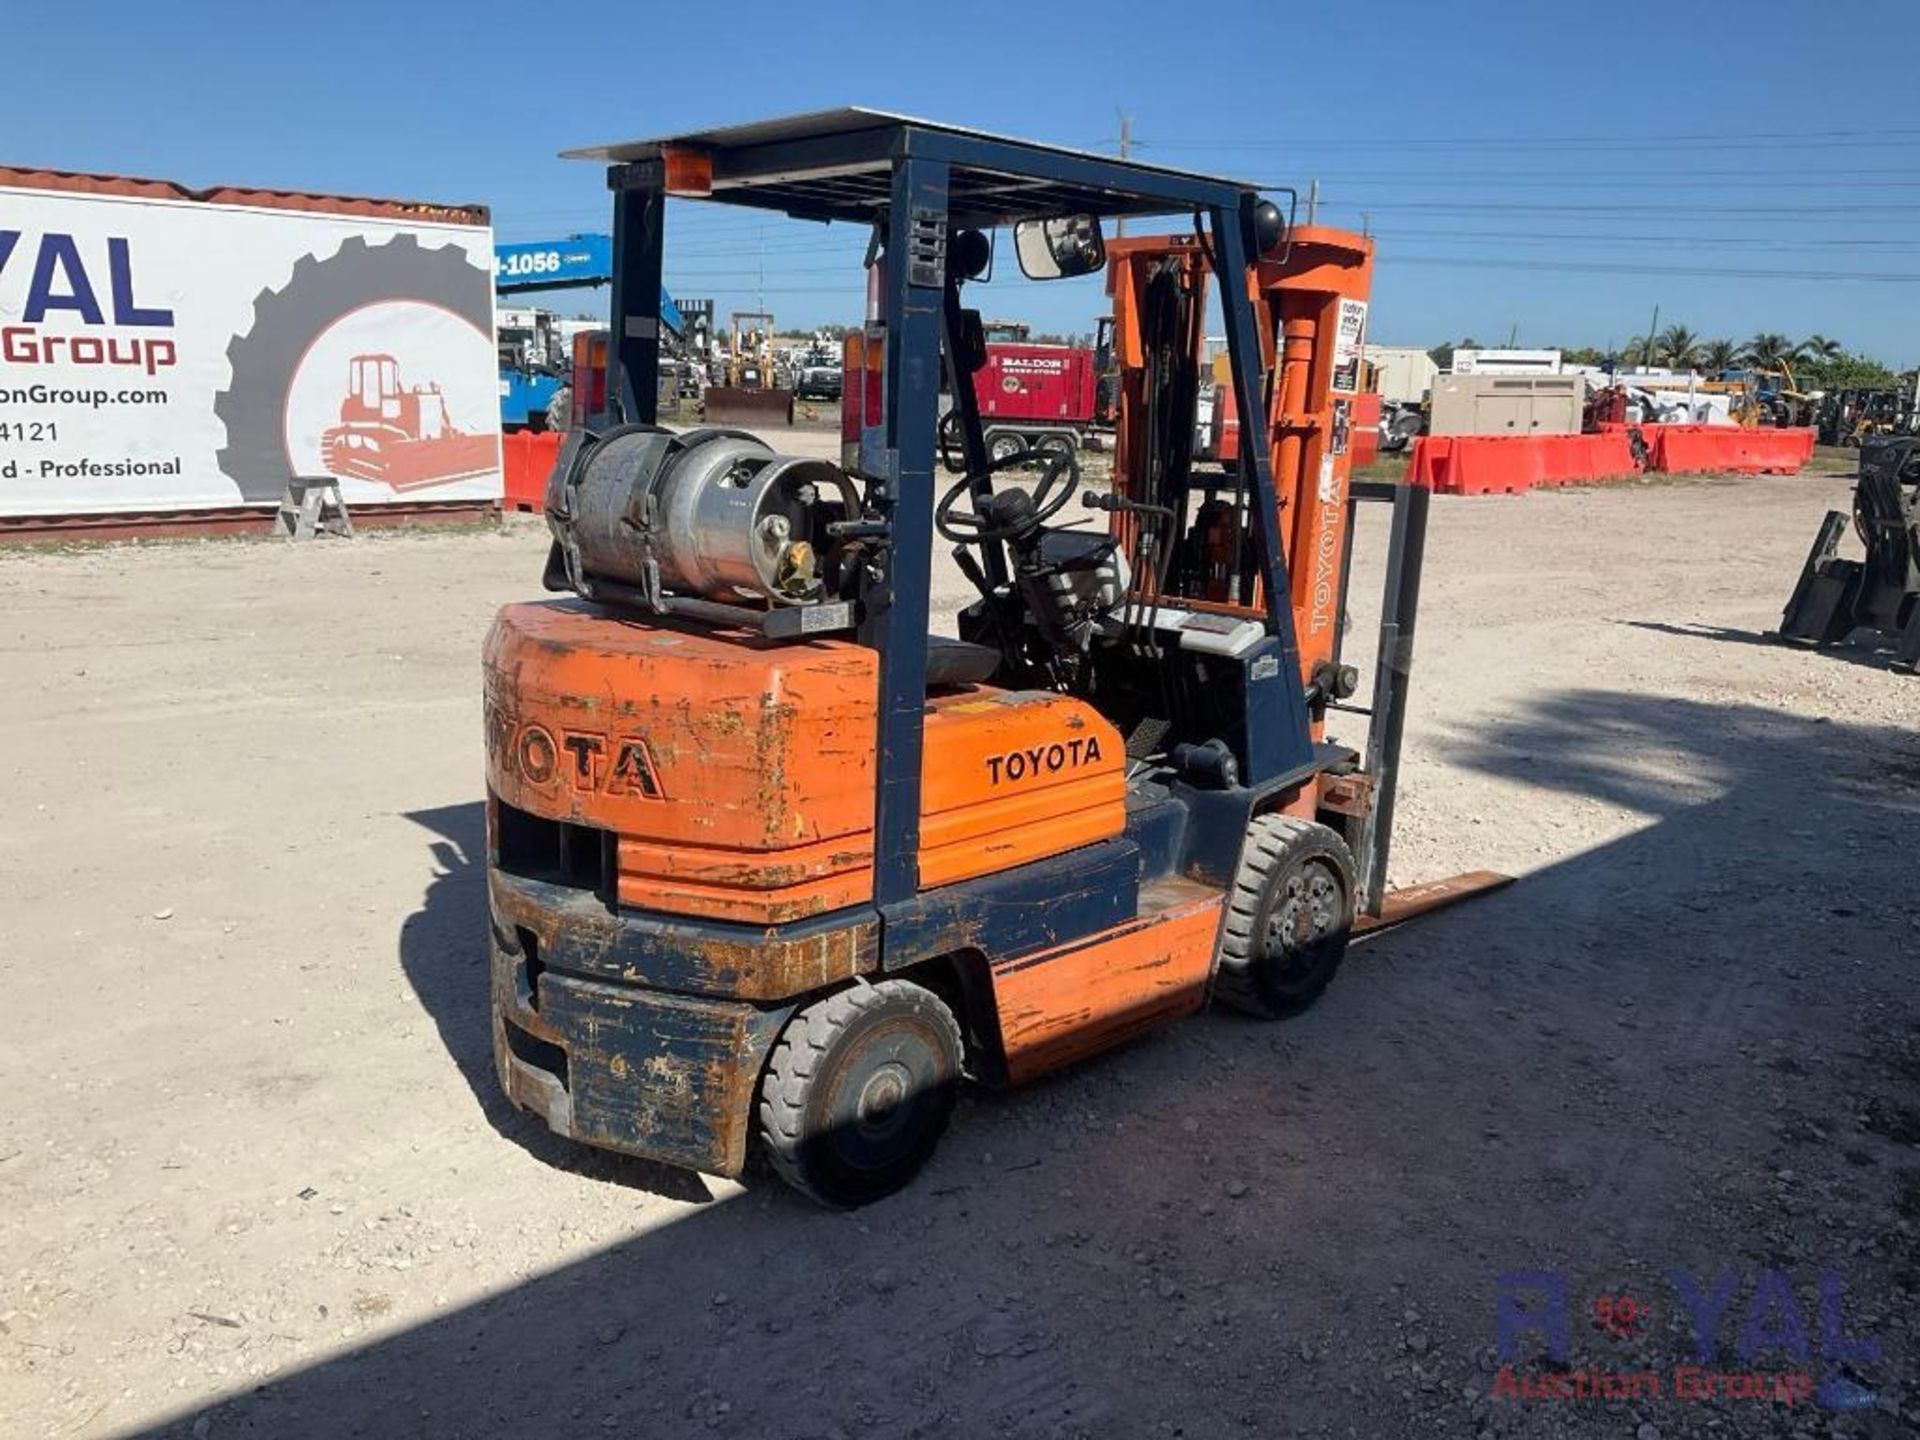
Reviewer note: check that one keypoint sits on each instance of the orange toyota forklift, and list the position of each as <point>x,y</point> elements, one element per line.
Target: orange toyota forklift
<point>771,868</point>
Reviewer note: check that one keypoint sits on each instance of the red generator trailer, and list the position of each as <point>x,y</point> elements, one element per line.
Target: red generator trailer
<point>1037,397</point>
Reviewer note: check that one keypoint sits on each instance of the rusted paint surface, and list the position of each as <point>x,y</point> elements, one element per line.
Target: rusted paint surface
<point>1345,794</point>
<point>1020,911</point>
<point>667,1077</point>
<point>576,933</point>
<point>764,887</point>
<point>227,520</point>
<point>1063,1004</point>
<point>1411,901</point>
<point>84,183</point>
<point>739,776</point>
<point>678,736</point>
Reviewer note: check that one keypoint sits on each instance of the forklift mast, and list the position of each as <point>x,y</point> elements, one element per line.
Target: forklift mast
<point>1310,303</point>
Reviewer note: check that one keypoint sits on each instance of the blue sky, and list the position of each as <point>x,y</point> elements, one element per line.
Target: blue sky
<point>1528,169</point>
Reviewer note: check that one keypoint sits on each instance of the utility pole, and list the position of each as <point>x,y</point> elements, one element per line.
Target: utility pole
<point>1313,202</point>
<point>1126,149</point>
<point>1653,330</point>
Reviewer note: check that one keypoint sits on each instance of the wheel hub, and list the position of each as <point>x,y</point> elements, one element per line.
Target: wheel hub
<point>881,1103</point>
<point>1309,908</point>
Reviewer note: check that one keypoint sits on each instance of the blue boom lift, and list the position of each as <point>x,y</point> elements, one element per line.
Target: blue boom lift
<point>532,367</point>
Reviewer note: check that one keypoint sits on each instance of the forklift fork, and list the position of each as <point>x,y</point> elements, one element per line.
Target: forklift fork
<point>1387,717</point>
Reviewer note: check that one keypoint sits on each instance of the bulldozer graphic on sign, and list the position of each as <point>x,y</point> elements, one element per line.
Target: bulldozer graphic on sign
<point>396,436</point>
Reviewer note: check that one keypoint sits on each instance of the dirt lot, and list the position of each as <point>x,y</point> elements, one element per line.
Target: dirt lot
<point>255,1178</point>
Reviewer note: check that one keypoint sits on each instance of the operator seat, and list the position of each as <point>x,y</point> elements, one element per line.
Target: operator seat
<point>959,662</point>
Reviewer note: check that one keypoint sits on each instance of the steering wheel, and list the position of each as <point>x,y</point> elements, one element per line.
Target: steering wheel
<point>1011,513</point>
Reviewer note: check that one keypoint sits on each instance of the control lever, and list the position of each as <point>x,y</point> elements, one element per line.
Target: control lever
<point>970,567</point>
<point>1112,502</point>
<point>859,529</point>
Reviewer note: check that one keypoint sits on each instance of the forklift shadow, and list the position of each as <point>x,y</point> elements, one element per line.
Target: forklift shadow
<point>1232,1228</point>
<point>1873,656</point>
<point>443,950</point>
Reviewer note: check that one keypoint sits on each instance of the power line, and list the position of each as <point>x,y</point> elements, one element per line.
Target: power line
<point>1732,140</point>
<point>1584,182</point>
<point>1492,262</point>
<point>1731,242</point>
<point>1582,176</point>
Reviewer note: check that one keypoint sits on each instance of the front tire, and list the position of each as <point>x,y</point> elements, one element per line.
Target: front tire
<point>1289,916</point>
<point>859,1091</point>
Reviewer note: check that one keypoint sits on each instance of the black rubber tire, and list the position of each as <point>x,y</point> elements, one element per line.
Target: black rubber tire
<point>1289,915</point>
<point>1054,440</point>
<point>895,1041</point>
<point>1004,444</point>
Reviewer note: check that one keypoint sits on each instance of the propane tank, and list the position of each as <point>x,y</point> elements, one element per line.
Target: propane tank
<point>713,514</point>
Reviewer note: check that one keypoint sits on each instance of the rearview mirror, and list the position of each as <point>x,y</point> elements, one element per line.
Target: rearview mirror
<point>1059,247</point>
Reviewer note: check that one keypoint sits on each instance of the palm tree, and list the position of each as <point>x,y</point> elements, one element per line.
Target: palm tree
<point>1678,347</point>
<point>1819,347</point>
<point>1717,356</point>
<point>1769,351</point>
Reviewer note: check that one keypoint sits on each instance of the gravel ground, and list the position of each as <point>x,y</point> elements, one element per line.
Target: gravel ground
<point>256,1180</point>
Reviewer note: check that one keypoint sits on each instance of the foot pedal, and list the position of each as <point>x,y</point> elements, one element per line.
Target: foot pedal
<point>1146,737</point>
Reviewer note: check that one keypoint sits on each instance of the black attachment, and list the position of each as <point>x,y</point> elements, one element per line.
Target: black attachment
<point>1211,764</point>
<point>969,253</point>
<point>1270,228</point>
<point>1880,592</point>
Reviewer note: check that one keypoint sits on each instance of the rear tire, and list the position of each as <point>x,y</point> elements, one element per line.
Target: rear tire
<point>1289,915</point>
<point>859,1091</point>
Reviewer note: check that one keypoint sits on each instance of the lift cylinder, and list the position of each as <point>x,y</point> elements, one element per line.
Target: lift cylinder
<point>714,514</point>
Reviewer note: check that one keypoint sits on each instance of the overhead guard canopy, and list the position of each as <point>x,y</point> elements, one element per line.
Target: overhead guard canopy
<point>838,165</point>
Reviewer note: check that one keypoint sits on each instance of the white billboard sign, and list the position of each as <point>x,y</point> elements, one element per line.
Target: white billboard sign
<point>161,354</point>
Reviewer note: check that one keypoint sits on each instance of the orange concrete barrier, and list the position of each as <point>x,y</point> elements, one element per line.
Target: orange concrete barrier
<point>1727,449</point>
<point>1365,431</point>
<point>1510,464</point>
<point>527,457</point>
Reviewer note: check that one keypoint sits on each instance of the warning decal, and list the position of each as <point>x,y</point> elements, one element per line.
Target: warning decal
<point>1349,338</point>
